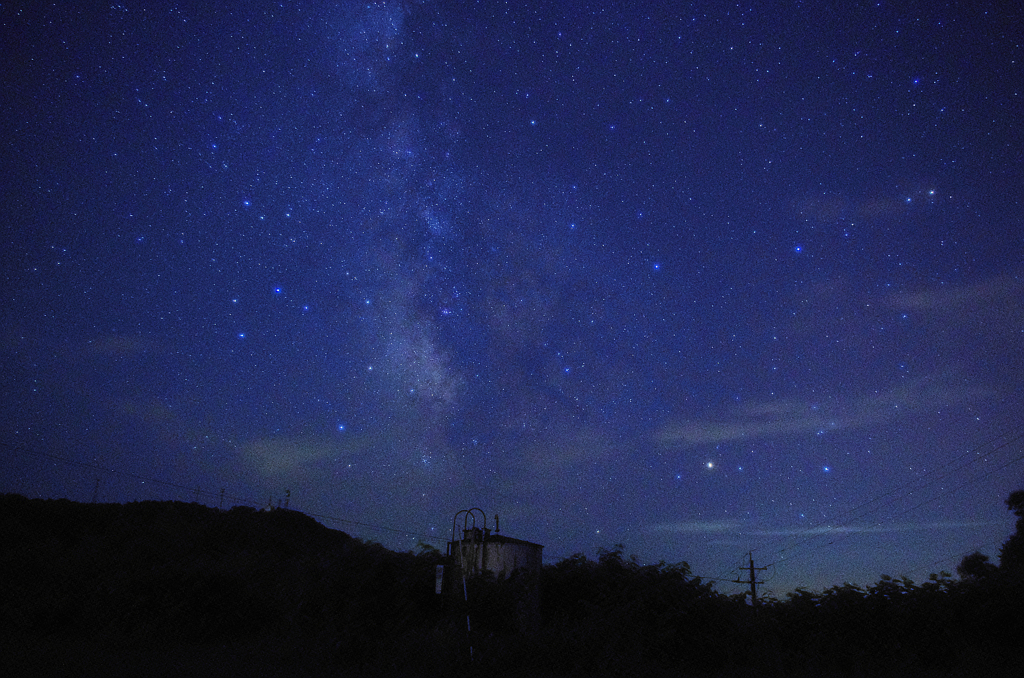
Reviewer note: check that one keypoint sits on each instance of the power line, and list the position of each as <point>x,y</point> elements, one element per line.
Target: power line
<point>198,491</point>
<point>126,474</point>
<point>381,528</point>
<point>928,501</point>
<point>928,568</point>
<point>814,532</point>
<point>973,455</point>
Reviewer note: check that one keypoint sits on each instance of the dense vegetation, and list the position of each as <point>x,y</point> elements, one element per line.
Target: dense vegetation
<point>169,588</point>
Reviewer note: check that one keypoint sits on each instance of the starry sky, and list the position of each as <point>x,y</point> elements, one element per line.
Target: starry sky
<point>698,278</point>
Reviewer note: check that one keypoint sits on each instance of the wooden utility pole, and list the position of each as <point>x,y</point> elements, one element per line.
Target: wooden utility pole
<point>753,579</point>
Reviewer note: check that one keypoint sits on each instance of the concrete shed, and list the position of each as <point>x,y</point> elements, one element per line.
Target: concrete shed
<point>479,551</point>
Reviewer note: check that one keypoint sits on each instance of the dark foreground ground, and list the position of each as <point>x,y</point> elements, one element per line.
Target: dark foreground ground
<point>270,658</point>
<point>168,589</point>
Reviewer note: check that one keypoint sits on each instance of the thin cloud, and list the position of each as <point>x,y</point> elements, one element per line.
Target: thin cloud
<point>995,304</point>
<point>287,455</point>
<point>868,529</point>
<point>738,527</point>
<point>1002,292</point>
<point>573,448</point>
<point>699,526</point>
<point>775,418</point>
<point>759,419</point>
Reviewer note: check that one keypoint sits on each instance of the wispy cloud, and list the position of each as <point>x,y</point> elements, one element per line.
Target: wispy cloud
<point>570,448</point>
<point>762,419</point>
<point>739,527</point>
<point>758,419</point>
<point>991,308</point>
<point>1003,293</point>
<point>700,526</point>
<point>867,529</point>
<point>287,455</point>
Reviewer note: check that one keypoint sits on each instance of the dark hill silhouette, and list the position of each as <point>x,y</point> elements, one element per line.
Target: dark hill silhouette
<point>158,574</point>
<point>179,527</point>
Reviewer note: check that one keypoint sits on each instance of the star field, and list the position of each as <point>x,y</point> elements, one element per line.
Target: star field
<point>699,279</point>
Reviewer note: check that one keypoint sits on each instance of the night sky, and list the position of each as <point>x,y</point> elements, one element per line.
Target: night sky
<point>697,278</point>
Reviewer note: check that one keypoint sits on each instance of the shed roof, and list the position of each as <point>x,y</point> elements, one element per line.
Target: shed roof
<point>502,539</point>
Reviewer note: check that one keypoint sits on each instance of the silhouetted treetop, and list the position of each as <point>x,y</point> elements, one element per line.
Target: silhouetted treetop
<point>1011,555</point>
<point>1015,502</point>
<point>976,566</point>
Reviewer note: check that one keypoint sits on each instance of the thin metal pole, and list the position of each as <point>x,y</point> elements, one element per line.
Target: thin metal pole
<point>466,515</point>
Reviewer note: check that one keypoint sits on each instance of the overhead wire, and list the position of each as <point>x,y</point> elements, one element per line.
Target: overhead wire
<point>18,449</point>
<point>972,456</point>
<point>846,534</point>
<point>959,558</point>
<point>126,474</point>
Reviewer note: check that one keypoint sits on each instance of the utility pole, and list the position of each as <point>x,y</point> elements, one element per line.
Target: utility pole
<point>753,579</point>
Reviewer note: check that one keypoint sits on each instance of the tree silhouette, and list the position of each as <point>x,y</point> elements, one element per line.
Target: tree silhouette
<point>976,567</point>
<point>1011,555</point>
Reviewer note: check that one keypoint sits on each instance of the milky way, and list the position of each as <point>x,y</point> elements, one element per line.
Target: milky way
<point>698,280</point>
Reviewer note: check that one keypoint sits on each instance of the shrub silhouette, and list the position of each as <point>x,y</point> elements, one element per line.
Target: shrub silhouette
<point>171,574</point>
